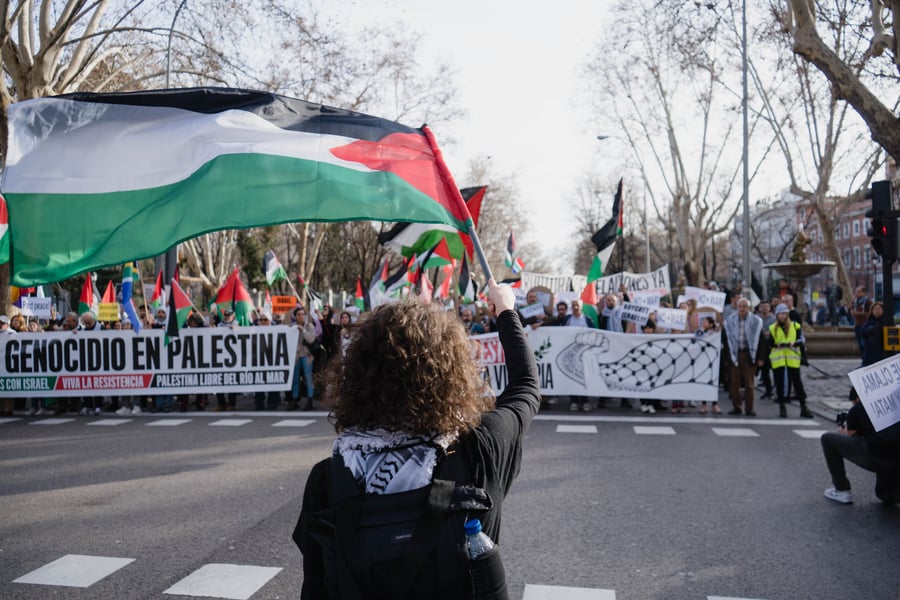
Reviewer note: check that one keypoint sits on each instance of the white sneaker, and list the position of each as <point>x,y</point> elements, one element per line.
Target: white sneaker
<point>644,407</point>
<point>573,407</point>
<point>97,411</point>
<point>32,412</point>
<point>842,496</point>
<point>84,412</point>
<point>42,411</point>
<point>651,410</point>
<point>124,411</point>
<point>136,410</point>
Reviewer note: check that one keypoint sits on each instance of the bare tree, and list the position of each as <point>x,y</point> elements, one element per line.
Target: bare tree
<point>659,84</point>
<point>827,158</point>
<point>855,78</point>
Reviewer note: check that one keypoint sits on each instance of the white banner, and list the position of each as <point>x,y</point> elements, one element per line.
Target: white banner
<point>635,313</point>
<point>671,318</point>
<point>556,283</point>
<point>36,307</point>
<point>122,363</point>
<point>706,298</point>
<point>574,361</point>
<point>656,281</point>
<point>878,387</point>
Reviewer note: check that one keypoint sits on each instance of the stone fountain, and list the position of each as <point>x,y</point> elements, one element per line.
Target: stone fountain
<point>823,341</point>
<point>798,269</point>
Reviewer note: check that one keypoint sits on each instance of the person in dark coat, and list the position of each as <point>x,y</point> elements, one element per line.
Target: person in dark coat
<point>411,391</point>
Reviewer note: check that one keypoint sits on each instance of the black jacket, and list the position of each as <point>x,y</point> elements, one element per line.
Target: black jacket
<point>492,451</point>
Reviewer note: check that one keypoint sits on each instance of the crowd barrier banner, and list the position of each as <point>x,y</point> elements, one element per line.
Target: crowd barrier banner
<point>878,387</point>
<point>555,283</point>
<point>575,361</point>
<point>122,363</point>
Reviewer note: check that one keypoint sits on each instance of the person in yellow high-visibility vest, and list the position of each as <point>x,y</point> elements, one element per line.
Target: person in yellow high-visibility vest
<point>784,355</point>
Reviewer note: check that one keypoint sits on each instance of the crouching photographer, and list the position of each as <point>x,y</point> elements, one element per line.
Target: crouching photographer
<point>858,442</point>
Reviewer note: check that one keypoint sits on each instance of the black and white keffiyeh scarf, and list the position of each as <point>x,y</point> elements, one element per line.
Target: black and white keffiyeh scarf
<point>389,462</point>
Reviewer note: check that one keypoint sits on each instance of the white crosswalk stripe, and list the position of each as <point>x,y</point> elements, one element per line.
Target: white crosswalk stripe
<point>110,422</point>
<point>51,421</point>
<point>75,570</point>
<point>230,422</point>
<point>168,422</point>
<point>812,434</point>
<point>653,430</point>
<point>734,432</point>
<point>293,423</point>
<point>555,592</point>
<point>243,582</point>
<point>217,580</point>
<point>576,429</point>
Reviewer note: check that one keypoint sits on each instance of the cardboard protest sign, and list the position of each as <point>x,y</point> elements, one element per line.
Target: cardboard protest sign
<point>878,387</point>
<point>635,313</point>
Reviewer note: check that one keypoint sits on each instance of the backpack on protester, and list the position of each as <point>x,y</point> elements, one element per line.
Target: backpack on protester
<point>403,545</point>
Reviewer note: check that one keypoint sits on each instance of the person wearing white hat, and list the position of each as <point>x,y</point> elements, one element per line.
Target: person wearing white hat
<point>786,338</point>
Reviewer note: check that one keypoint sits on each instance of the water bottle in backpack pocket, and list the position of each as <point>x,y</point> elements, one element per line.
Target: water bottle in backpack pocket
<point>486,571</point>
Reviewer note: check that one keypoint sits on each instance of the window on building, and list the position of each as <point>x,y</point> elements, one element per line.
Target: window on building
<point>856,228</point>
<point>856,256</point>
<point>846,257</point>
<point>837,232</point>
<point>846,230</point>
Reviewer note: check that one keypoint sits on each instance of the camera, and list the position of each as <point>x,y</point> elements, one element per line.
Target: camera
<point>841,419</point>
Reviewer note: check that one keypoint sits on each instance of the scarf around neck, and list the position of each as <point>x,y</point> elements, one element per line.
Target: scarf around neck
<point>389,462</point>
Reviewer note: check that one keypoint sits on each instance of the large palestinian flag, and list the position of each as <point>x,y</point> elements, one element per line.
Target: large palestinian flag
<point>100,179</point>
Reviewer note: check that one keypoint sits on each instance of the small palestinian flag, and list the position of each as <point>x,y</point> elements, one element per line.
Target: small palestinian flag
<point>233,296</point>
<point>86,300</point>
<point>359,300</point>
<point>109,296</point>
<point>180,308</point>
<point>438,256</point>
<point>272,268</point>
<point>157,299</point>
<point>466,285</point>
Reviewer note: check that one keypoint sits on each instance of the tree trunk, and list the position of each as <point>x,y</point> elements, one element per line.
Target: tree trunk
<point>883,124</point>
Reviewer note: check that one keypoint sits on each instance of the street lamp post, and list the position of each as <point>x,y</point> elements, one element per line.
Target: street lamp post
<point>746,153</point>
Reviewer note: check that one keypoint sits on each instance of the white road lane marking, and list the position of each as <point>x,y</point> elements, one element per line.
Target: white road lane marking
<point>556,592</point>
<point>75,570</point>
<point>230,422</point>
<point>647,430</point>
<point>576,429</point>
<point>110,422</point>
<point>810,434</point>
<point>217,580</point>
<point>168,422</point>
<point>734,432</point>
<point>293,423</point>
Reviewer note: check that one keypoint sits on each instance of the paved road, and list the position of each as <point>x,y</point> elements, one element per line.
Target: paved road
<point>608,505</point>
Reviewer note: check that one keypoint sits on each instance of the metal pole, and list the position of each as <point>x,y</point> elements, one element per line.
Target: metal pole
<point>748,277</point>
<point>168,262</point>
<point>169,47</point>
<point>646,228</point>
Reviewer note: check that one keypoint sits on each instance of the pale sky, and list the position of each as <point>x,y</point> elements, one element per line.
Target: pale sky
<point>517,71</point>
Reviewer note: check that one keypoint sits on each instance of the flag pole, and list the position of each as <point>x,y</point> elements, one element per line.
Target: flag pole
<point>457,199</point>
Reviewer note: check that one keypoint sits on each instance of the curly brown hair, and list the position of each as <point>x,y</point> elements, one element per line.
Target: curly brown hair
<point>410,367</point>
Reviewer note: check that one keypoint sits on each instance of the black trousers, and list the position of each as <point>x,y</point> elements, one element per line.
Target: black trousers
<point>785,377</point>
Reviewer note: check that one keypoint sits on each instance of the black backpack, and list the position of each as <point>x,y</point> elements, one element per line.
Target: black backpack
<point>405,545</point>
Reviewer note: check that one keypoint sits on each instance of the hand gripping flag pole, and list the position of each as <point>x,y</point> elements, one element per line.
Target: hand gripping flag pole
<point>456,196</point>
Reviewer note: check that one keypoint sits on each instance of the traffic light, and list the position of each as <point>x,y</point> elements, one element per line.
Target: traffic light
<point>884,221</point>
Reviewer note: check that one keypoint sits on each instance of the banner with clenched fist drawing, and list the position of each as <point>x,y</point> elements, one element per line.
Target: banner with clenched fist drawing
<point>575,361</point>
